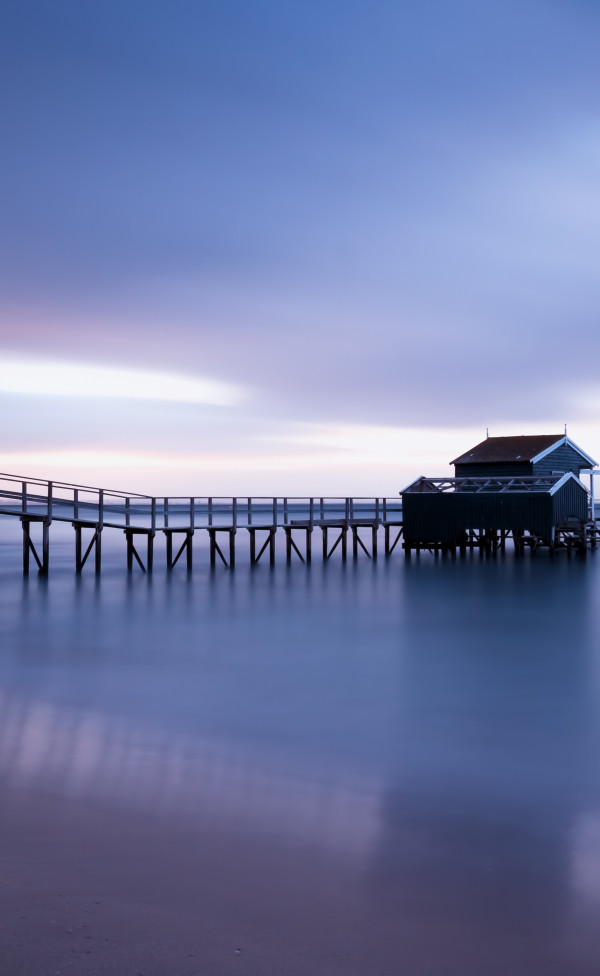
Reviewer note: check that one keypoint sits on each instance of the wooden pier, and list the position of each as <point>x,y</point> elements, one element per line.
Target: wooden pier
<point>143,520</point>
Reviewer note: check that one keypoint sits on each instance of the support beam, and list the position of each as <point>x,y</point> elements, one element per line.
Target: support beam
<point>132,553</point>
<point>95,543</point>
<point>358,542</point>
<point>389,545</point>
<point>186,546</point>
<point>29,546</point>
<point>215,549</point>
<point>268,542</point>
<point>341,538</point>
<point>290,543</point>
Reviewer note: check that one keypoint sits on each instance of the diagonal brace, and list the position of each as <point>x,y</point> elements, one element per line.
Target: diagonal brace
<point>335,545</point>
<point>33,550</point>
<point>89,548</point>
<point>135,553</point>
<point>217,549</point>
<point>294,546</point>
<point>394,544</point>
<point>182,547</point>
<point>361,544</point>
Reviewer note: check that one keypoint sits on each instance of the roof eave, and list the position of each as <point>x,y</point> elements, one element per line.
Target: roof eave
<point>421,477</point>
<point>564,440</point>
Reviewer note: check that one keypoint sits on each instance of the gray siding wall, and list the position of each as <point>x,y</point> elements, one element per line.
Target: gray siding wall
<point>562,458</point>
<point>570,501</point>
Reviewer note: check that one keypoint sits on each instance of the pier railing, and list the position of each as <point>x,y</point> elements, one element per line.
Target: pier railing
<point>91,510</point>
<point>109,508</point>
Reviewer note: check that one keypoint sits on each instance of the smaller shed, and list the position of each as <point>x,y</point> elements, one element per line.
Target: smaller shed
<point>441,510</point>
<point>529,454</point>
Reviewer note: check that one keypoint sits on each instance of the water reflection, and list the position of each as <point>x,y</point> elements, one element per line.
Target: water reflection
<point>497,743</point>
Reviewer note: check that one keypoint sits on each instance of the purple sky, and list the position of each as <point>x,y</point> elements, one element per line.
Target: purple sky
<point>377,223</point>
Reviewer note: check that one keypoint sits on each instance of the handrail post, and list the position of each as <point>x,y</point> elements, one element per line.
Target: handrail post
<point>377,510</point>
<point>49,502</point>
<point>153,514</point>
<point>347,507</point>
<point>166,512</point>
<point>384,501</point>
<point>24,497</point>
<point>210,511</point>
<point>249,511</point>
<point>311,512</point>
<point>191,513</point>
<point>234,511</point>
<point>285,511</point>
<point>127,511</point>
<point>101,508</point>
<point>75,503</point>
<point>274,511</point>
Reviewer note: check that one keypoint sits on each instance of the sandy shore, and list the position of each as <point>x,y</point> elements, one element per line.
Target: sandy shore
<point>95,891</point>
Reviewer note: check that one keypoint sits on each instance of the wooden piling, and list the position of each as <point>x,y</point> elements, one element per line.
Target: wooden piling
<point>29,545</point>
<point>132,553</point>
<point>291,546</point>
<point>397,527</point>
<point>215,549</point>
<point>95,544</point>
<point>269,543</point>
<point>186,546</point>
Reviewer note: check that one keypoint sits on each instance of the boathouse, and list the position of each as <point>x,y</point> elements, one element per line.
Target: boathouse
<point>526,487</point>
<point>455,511</point>
<point>537,454</point>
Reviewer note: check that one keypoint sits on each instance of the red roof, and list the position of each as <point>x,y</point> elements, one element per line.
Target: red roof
<point>495,450</point>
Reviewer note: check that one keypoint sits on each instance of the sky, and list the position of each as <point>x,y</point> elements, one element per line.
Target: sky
<point>294,247</point>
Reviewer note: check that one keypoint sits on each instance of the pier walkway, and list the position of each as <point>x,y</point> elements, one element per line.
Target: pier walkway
<point>141,518</point>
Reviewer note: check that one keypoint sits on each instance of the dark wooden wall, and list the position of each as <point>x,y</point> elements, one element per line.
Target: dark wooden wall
<point>441,516</point>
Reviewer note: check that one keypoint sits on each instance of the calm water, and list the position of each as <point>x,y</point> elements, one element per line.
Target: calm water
<point>416,743</point>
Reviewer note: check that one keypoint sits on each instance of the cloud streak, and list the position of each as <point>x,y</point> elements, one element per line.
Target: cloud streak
<point>41,377</point>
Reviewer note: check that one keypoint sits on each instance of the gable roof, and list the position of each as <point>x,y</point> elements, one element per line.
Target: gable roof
<point>527,448</point>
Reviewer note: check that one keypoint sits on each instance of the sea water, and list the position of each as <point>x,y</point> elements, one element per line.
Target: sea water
<point>432,724</point>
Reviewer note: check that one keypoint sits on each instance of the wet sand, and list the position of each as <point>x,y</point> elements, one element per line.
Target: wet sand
<point>93,891</point>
